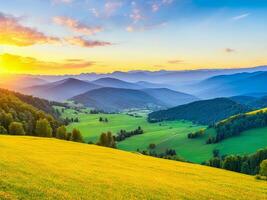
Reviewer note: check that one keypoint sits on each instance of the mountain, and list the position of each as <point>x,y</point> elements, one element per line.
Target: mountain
<point>203,112</point>
<point>30,169</point>
<point>16,109</point>
<point>116,83</point>
<point>11,82</point>
<point>41,104</point>
<point>145,84</point>
<point>232,85</point>
<point>253,102</point>
<point>117,99</point>
<point>61,90</point>
<point>169,97</point>
<point>161,77</point>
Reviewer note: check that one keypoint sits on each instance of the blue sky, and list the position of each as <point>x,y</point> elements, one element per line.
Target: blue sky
<point>133,34</point>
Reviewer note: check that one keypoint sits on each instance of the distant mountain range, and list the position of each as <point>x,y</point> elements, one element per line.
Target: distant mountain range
<point>165,88</point>
<point>116,83</point>
<point>232,85</point>
<point>162,76</point>
<point>118,99</point>
<point>60,90</point>
<point>100,93</point>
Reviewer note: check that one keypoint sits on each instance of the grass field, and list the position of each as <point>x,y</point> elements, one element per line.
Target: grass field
<point>166,135</point>
<point>39,168</point>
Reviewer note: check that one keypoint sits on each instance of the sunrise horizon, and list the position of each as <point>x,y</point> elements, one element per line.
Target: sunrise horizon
<point>76,36</point>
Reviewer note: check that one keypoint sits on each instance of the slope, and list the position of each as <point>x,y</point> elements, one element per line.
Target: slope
<point>116,83</point>
<point>117,99</point>
<point>232,85</point>
<point>170,98</point>
<point>81,171</point>
<point>61,90</point>
<point>204,112</point>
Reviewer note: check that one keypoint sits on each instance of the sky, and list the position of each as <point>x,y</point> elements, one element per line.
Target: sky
<point>80,36</point>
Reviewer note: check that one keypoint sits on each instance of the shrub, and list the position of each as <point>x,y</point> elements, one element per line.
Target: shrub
<point>16,128</point>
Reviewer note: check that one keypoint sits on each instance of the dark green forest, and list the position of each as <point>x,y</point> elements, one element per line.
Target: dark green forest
<point>237,124</point>
<point>248,164</point>
<point>207,112</point>
<point>18,116</point>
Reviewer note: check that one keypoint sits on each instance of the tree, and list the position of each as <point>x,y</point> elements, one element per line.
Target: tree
<point>107,140</point>
<point>152,146</point>
<point>6,119</point>
<point>103,140</point>
<point>3,130</point>
<point>76,136</point>
<point>263,168</point>
<point>245,168</point>
<point>43,128</point>
<point>16,128</point>
<point>61,133</point>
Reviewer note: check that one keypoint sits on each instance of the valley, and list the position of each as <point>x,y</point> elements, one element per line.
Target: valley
<point>165,135</point>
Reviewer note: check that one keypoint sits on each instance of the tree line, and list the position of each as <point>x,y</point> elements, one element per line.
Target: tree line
<point>123,134</point>
<point>20,118</point>
<point>237,124</point>
<point>247,164</point>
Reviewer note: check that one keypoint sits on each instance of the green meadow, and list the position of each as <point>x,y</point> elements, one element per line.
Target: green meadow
<point>165,135</point>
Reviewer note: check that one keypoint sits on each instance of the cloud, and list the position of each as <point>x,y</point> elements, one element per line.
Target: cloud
<point>135,28</point>
<point>136,15</point>
<point>80,41</point>
<point>175,61</point>
<point>229,50</point>
<point>63,1</point>
<point>157,5</point>
<point>112,7</point>
<point>239,17</point>
<point>11,63</point>
<point>13,33</point>
<point>76,26</point>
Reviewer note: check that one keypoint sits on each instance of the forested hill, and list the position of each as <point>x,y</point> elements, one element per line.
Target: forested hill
<point>204,112</point>
<point>41,104</point>
<point>19,118</point>
<point>237,124</point>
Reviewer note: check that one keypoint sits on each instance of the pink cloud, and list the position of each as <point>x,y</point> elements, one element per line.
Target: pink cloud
<point>13,33</point>
<point>80,41</point>
<point>76,26</point>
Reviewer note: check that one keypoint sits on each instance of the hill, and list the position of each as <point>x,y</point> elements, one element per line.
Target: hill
<point>11,81</point>
<point>203,112</point>
<point>169,97</point>
<point>61,90</point>
<point>253,102</point>
<point>81,171</point>
<point>235,125</point>
<point>21,115</point>
<point>117,99</point>
<point>41,104</point>
<point>232,85</point>
<point>116,83</point>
